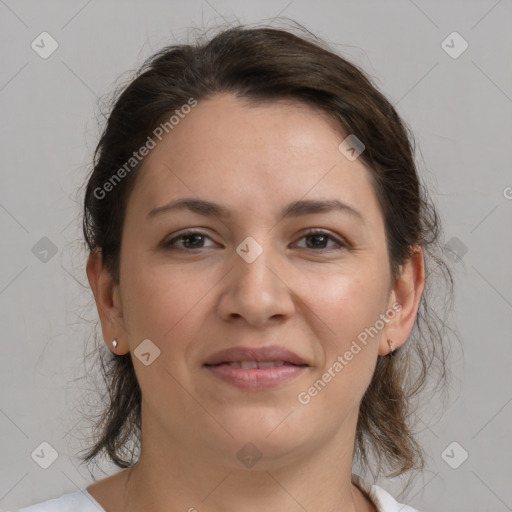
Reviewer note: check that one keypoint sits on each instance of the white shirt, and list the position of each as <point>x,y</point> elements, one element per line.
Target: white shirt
<point>82,501</point>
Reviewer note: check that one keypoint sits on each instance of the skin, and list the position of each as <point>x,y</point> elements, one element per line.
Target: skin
<point>253,160</point>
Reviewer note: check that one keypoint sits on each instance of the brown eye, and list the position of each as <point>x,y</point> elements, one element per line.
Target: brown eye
<point>318,240</point>
<point>189,240</point>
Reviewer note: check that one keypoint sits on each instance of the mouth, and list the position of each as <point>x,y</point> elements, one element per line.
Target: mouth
<point>256,369</point>
<point>247,365</point>
<point>273,355</point>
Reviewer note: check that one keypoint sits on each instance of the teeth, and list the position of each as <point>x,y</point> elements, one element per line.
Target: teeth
<point>254,364</point>
<point>270,364</point>
<point>248,364</point>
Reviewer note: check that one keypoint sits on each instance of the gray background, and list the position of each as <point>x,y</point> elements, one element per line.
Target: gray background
<point>458,108</point>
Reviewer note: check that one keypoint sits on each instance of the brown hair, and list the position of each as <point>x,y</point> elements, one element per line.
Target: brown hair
<point>265,64</point>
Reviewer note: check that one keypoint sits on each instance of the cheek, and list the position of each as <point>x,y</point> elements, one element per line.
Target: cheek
<point>348,305</point>
<point>351,307</point>
<point>163,303</point>
<point>350,329</point>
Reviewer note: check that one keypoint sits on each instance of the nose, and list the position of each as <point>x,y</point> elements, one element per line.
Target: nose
<point>256,292</point>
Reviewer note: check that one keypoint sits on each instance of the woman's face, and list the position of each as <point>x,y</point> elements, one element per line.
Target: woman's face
<point>253,279</point>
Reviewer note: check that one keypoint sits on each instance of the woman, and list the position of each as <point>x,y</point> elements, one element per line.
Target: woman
<point>258,243</point>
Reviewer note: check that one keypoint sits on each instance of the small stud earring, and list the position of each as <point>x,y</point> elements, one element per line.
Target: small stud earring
<point>391,351</point>
<point>114,343</point>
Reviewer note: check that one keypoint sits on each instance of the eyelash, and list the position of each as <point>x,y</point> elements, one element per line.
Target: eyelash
<point>171,244</point>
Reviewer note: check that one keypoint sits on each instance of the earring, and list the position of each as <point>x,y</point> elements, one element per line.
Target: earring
<point>391,351</point>
<point>114,343</point>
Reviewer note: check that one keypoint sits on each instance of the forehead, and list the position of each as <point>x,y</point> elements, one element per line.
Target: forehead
<point>253,157</point>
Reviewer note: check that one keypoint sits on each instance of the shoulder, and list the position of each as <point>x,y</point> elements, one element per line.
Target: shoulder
<point>79,501</point>
<point>382,500</point>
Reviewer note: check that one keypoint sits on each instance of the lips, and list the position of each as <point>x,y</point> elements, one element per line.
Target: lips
<point>256,369</point>
<point>262,357</point>
<point>247,365</point>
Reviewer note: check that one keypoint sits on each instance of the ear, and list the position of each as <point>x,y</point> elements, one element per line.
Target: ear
<point>108,302</point>
<point>407,292</point>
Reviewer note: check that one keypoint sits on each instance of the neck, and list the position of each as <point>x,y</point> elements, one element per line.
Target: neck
<point>169,476</point>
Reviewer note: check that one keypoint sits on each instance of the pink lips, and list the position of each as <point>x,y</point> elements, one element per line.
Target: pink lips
<point>256,368</point>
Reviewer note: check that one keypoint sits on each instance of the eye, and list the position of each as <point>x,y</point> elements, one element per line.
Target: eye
<point>194,240</point>
<point>191,240</point>
<point>319,238</point>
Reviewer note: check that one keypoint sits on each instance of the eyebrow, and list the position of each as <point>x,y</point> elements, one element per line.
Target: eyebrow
<point>294,209</point>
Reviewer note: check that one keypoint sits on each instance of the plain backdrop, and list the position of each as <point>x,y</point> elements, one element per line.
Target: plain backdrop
<point>458,104</point>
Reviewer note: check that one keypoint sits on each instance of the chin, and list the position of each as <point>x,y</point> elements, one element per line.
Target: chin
<point>262,441</point>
